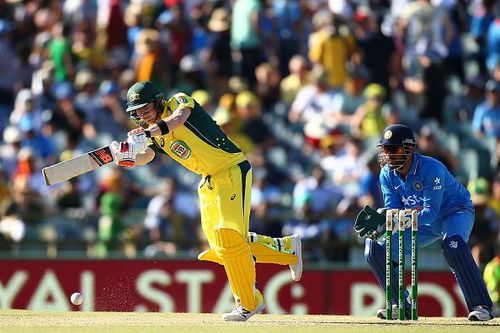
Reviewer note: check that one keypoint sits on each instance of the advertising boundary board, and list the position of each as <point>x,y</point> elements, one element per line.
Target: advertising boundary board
<point>194,286</point>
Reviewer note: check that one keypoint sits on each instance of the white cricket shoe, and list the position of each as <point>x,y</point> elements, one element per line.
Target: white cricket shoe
<point>296,269</point>
<point>381,312</point>
<point>480,313</point>
<point>241,314</point>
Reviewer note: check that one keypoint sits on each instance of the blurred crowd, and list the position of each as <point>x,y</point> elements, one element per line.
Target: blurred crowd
<point>304,87</point>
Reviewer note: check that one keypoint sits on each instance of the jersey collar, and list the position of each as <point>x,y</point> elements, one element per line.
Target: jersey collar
<point>415,164</point>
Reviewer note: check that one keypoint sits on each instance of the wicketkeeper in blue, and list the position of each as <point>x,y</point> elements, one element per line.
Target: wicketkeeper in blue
<point>445,213</point>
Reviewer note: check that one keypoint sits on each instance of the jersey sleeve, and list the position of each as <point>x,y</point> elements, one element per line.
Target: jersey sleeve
<point>433,190</point>
<point>391,198</point>
<point>184,100</point>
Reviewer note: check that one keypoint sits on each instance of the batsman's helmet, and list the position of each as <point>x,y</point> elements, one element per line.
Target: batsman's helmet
<point>393,137</point>
<point>141,94</point>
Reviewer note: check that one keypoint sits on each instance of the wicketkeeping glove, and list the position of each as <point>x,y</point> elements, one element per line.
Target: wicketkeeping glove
<point>124,153</point>
<point>137,137</point>
<point>370,222</point>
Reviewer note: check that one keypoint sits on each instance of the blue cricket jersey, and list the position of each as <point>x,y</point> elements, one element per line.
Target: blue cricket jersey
<point>429,188</point>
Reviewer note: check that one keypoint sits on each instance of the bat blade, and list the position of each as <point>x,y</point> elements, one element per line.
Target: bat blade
<point>77,166</point>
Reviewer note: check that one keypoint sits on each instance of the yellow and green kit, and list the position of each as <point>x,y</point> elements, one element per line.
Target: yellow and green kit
<point>224,192</point>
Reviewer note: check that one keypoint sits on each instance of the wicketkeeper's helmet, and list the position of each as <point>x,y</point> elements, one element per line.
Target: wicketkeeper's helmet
<point>393,137</point>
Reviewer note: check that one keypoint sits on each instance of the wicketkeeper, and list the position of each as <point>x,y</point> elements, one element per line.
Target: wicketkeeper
<point>180,128</point>
<point>445,212</point>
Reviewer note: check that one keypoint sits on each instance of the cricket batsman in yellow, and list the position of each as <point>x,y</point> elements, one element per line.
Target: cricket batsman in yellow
<point>180,128</point>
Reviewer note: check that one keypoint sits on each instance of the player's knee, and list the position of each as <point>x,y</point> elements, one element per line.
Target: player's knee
<point>229,243</point>
<point>372,250</point>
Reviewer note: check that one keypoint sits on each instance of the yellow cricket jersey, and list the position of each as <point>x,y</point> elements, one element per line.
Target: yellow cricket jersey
<point>199,145</point>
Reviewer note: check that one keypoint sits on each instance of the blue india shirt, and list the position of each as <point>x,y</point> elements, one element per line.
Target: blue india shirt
<point>429,188</point>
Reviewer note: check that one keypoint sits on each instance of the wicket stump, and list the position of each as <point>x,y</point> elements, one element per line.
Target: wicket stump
<point>402,215</point>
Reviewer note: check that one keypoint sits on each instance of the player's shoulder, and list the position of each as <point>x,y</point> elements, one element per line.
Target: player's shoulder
<point>385,172</point>
<point>430,163</point>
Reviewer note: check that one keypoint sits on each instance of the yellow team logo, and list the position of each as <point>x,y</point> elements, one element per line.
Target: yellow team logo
<point>134,97</point>
<point>181,149</point>
<point>387,134</point>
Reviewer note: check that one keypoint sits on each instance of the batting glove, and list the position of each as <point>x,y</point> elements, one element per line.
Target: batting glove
<point>137,137</point>
<point>124,153</point>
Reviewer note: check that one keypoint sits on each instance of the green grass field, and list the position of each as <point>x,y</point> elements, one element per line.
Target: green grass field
<point>126,322</point>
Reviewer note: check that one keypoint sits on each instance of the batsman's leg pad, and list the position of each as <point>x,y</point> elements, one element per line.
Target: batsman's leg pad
<point>375,257</point>
<point>463,266</point>
<point>210,255</point>
<point>234,252</point>
<point>265,250</point>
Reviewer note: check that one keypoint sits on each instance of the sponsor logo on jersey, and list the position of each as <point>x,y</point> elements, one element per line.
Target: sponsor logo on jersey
<point>437,184</point>
<point>413,200</point>
<point>181,149</point>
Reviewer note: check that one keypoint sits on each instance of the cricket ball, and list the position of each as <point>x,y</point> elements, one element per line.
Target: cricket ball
<point>76,298</point>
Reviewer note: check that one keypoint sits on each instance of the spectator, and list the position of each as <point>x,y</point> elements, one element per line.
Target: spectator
<point>482,17</point>
<point>486,114</point>
<point>378,51</point>
<point>430,145</point>
<point>313,101</point>
<point>370,118</point>
<point>246,38</point>
<point>328,48</point>
<point>369,185</point>
<point>267,85</point>
<point>219,58</point>
<point>249,115</point>
<point>296,80</point>
<point>349,168</point>
<point>112,208</point>
<point>60,53</point>
<point>350,98</point>
<point>107,116</point>
<point>169,218</point>
<point>9,151</point>
<point>26,207</point>
<point>492,49</point>
<point>149,63</point>
<point>266,205</point>
<point>288,18</point>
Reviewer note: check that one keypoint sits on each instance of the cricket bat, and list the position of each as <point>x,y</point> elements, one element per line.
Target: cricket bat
<point>78,165</point>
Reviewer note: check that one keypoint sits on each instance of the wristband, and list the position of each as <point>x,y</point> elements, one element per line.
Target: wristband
<point>162,125</point>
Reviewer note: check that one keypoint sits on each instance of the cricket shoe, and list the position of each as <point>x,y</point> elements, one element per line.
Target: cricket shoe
<point>395,311</point>
<point>241,314</point>
<point>480,313</point>
<point>296,269</point>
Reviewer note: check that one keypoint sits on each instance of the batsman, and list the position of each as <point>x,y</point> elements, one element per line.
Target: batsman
<point>180,128</point>
<point>445,213</point>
